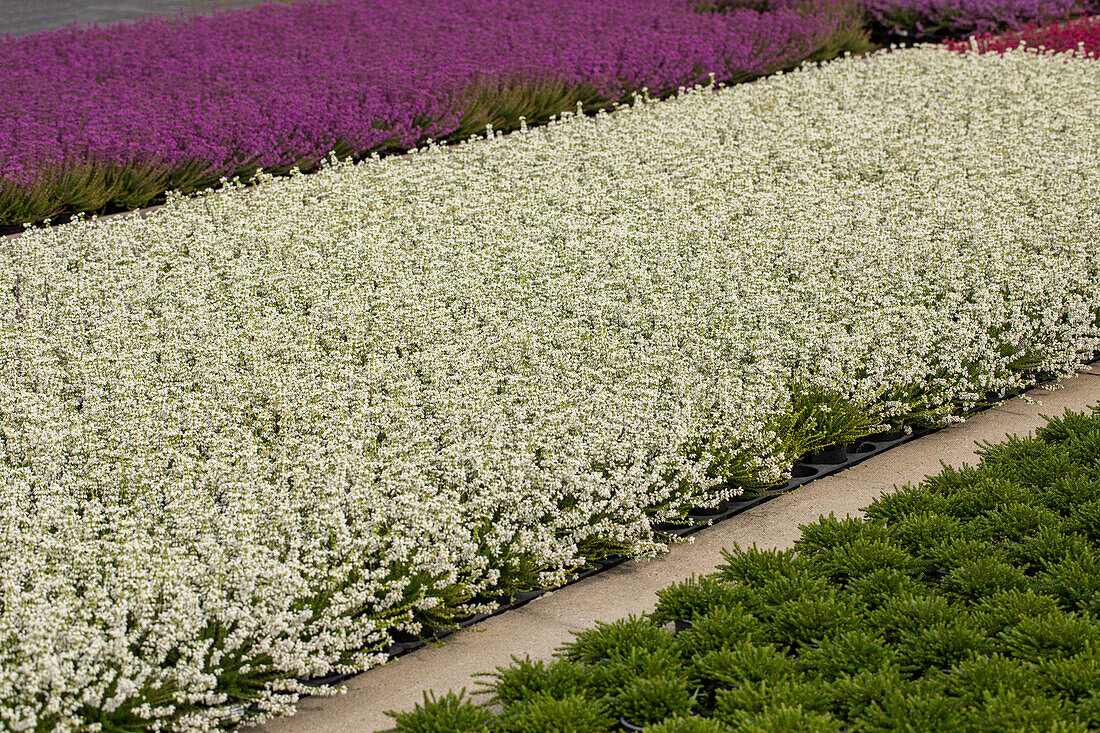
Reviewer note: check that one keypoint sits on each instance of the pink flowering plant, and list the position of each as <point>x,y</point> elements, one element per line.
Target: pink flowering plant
<point>116,116</point>
<point>1081,34</point>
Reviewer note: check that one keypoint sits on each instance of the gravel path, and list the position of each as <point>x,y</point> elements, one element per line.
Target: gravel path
<point>20,17</point>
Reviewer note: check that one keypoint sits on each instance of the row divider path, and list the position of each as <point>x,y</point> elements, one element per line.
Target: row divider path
<point>543,624</point>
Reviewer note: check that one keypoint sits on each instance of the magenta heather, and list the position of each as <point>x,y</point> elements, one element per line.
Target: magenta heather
<point>275,85</point>
<point>960,17</point>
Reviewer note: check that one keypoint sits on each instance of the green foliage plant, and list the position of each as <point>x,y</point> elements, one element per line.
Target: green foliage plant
<point>967,603</point>
<point>525,678</point>
<point>624,635</point>
<point>451,713</point>
<point>645,700</point>
<point>547,713</point>
<point>686,599</point>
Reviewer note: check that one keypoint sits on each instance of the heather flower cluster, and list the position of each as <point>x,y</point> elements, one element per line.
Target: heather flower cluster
<point>121,114</point>
<point>244,436</point>
<point>955,18</point>
<point>1081,35</point>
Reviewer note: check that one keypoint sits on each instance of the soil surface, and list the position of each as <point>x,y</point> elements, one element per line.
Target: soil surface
<point>22,17</point>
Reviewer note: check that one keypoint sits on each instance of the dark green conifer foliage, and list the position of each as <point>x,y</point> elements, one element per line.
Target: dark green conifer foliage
<point>688,598</point>
<point>545,713</point>
<point>623,635</point>
<point>652,699</point>
<point>526,678</point>
<point>451,713</point>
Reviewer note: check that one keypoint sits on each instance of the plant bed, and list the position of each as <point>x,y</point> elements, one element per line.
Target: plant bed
<point>277,422</point>
<point>848,630</point>
<point>932,21</point>
<point>105,119</point>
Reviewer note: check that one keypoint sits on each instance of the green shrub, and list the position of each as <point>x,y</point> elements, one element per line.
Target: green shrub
<point>889,509</point>
<point>1068,494</point>
<point>756,567</point>
<point>1068,426</point>
<point>720,627</point>
<point>783,719</point>
<point>913,708</point>
<point>875,588</point>
<point>682,724</point>
<point>811,618</point>
<point>448,714</point>
<point>545,713</point>
<point>1020,710</point>
<point>1074,580</point>
<point>1005,608</point>
<point>1087,710</point>
<point>621,636</point>
<point>909,612</point>
<point>730,705</point>
<point>942,557</point>
<point>1054,635</point>
<point>740,663</point>
<point>829,533</point>
<point>692,597</point>
<point>1085,519</point>
<point>1048,546</point>
<point>1030,465</point>
<point>1013,521</point>
<point>919,529</point>
<point>859,557</point>
<point>856,694</point>
<point>1072,677</point>
<point>973,680</point>
<point>941,644</point>
<point>803,583</point>
<point>847,652</point>
<point>1082,451</point>
<point>608,677</point>
<point>651,699</point>
<point>977,579</point>
<point>526,678</point>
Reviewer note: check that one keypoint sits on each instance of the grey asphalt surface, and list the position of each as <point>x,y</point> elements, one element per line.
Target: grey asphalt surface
<point>22,17</point>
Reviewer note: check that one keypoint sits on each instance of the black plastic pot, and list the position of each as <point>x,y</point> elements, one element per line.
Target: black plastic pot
<point>831,456</point>
<point>675,528</point>
<point>708,512</point>
<point>887,436</point>
<point>330,679</point>
<point>861,447</point>
<point>582,573</point>
<point>681,624</point>
<point>610,562</point>
<point>525,596</point>
<point>403,642</point>
<point>770,491</point>
<point>472,619</point>
<point>741,504</point>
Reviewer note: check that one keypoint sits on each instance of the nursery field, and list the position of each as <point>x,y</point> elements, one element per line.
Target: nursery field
<point>967,603</point>
<point>245,438</point>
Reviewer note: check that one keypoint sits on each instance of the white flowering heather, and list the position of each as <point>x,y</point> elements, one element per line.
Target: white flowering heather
<point>243,437</point>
